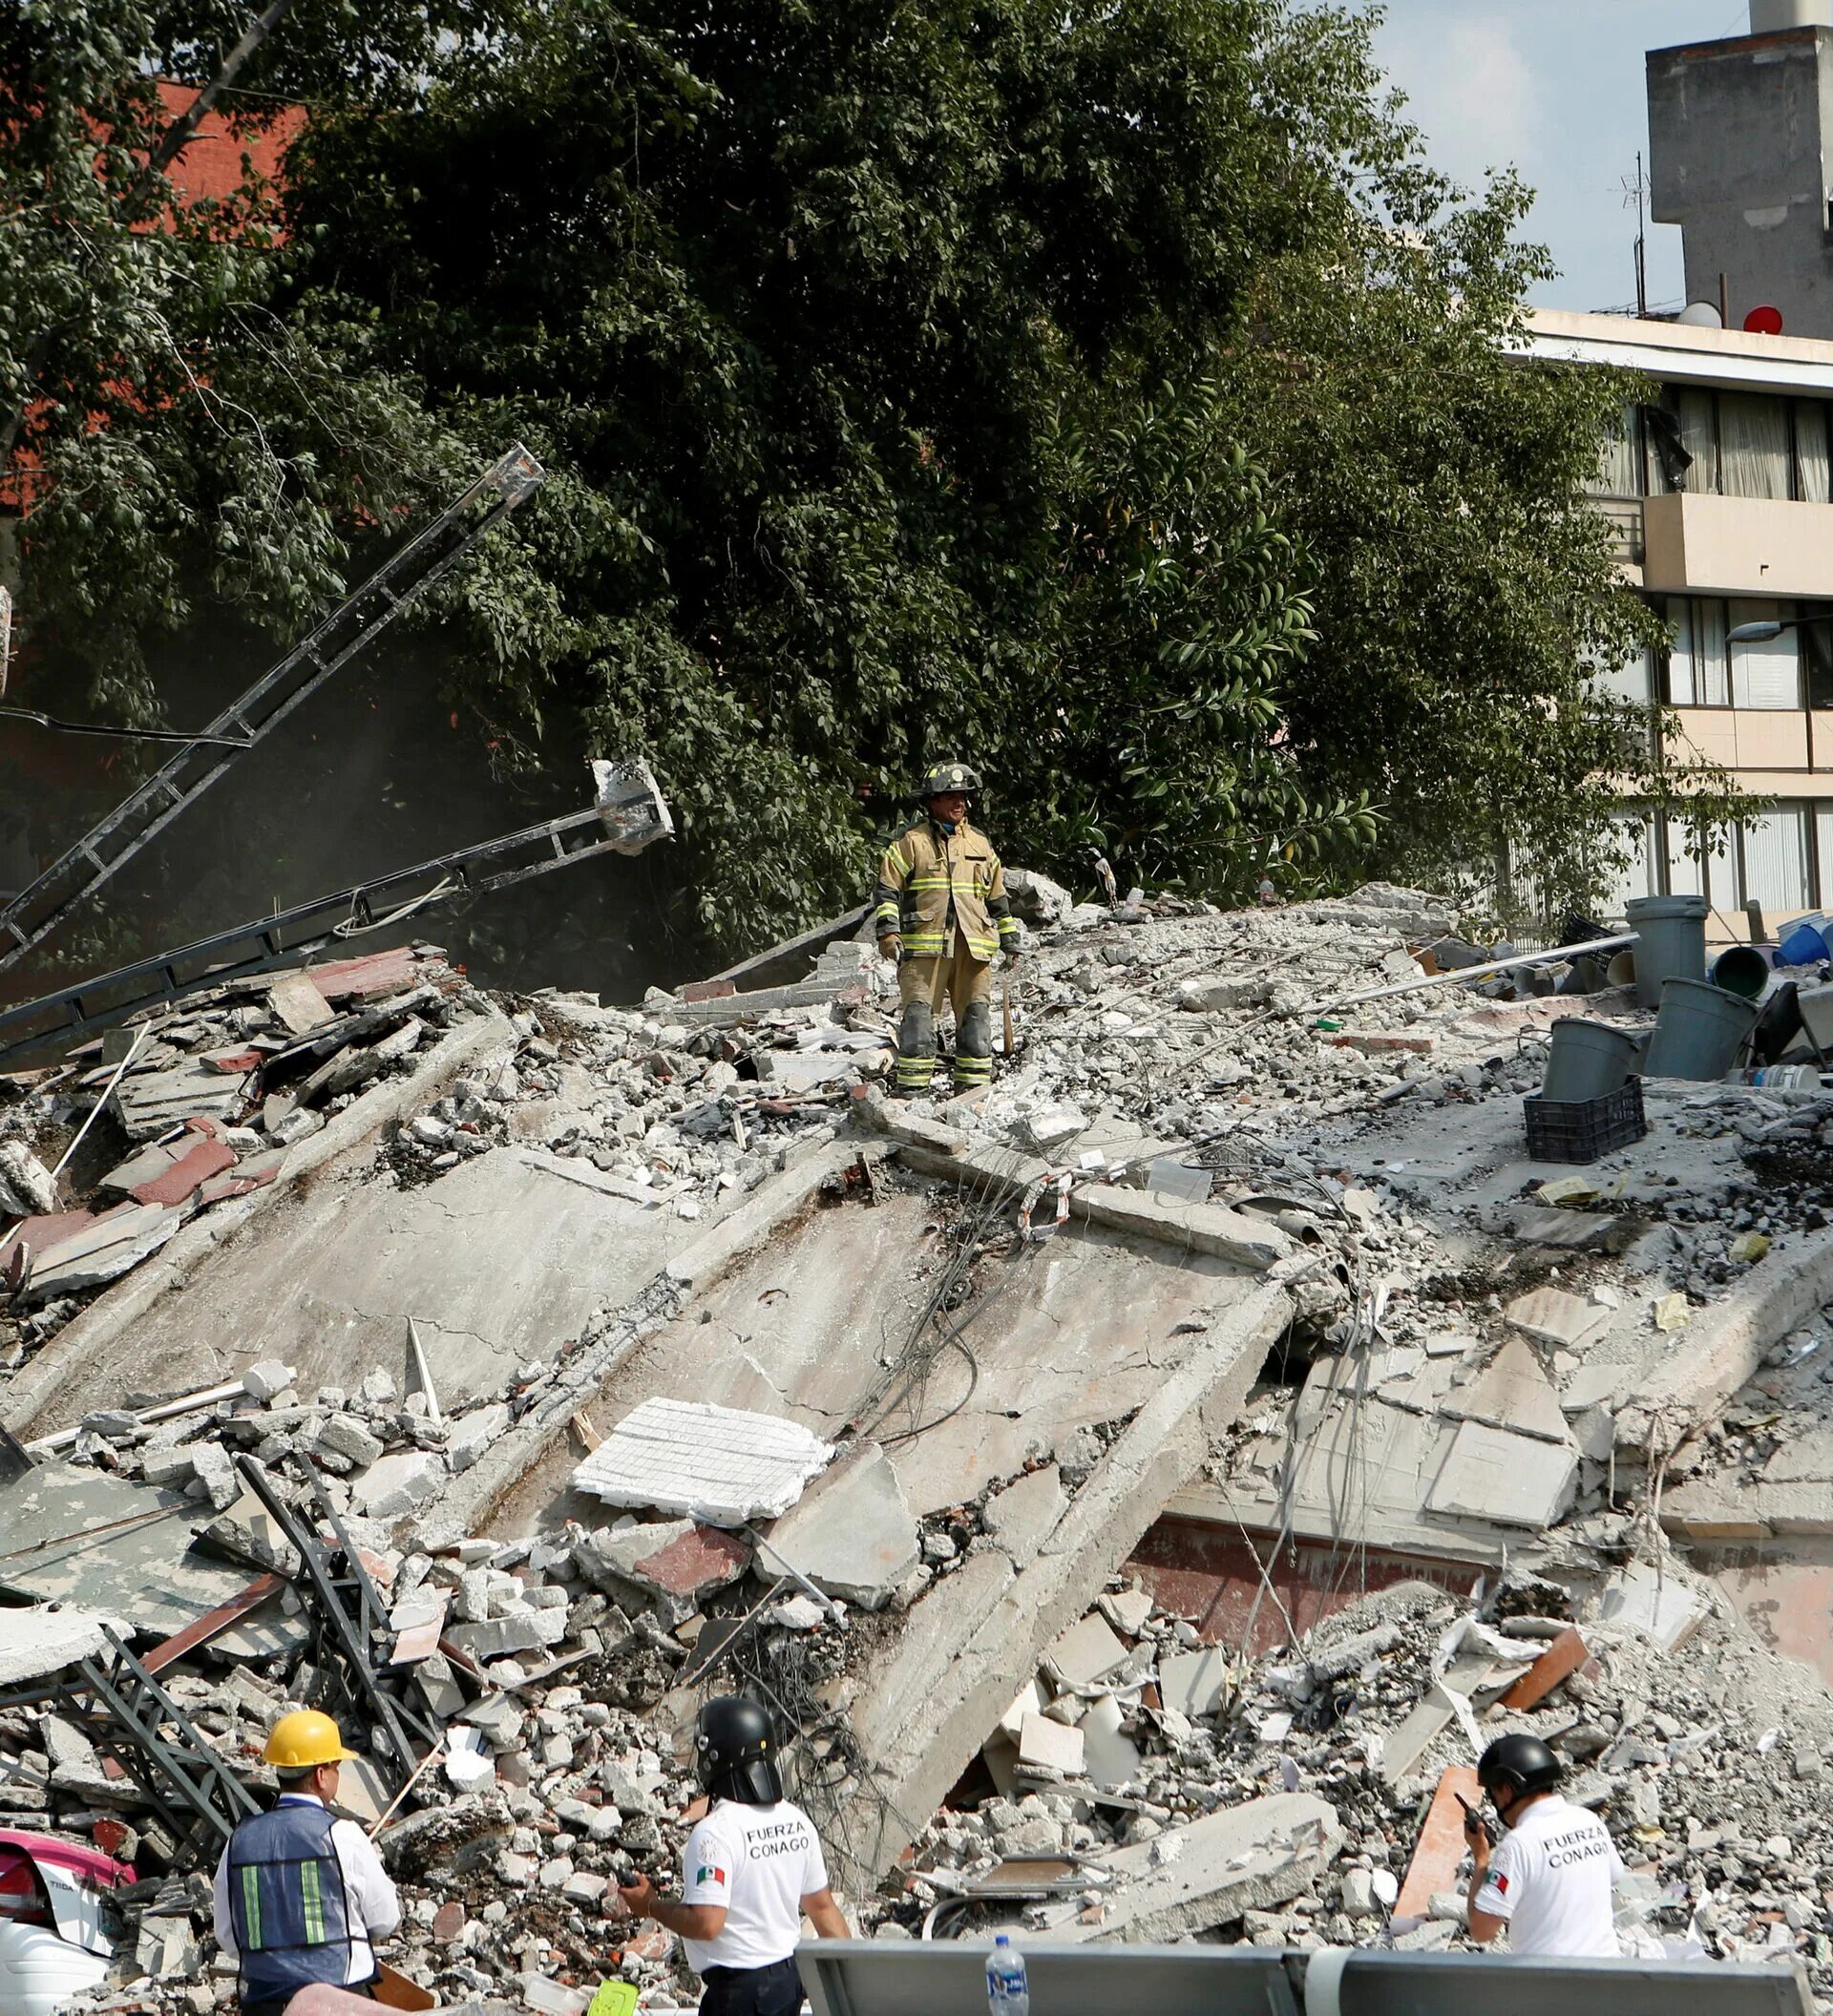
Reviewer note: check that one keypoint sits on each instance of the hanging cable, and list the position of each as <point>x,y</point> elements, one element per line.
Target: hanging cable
<point>94,727</point>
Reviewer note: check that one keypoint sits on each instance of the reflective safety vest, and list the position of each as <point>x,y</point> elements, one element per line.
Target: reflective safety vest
<point>933,884</point>
<point>288,1903</point>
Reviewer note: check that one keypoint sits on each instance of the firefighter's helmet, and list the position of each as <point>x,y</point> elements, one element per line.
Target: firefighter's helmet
<point>944,778</point>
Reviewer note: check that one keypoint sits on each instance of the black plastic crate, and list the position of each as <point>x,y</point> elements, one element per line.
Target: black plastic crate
<point>1582,1129</point>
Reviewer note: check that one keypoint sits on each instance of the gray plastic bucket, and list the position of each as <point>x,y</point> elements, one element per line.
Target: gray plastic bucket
<point>1740,969</point>
<point>1588,1060</point>
<point>1671,942</point>
<point>1700,1031</point>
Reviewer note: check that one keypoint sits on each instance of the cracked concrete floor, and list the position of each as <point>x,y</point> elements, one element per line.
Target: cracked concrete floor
<point>498,1263</point>
<point>1079,1328</point>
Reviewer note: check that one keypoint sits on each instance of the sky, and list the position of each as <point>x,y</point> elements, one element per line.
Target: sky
<point>1554,89</point>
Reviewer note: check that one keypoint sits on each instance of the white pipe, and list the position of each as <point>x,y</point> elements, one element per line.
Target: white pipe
<point>191,1404</point>
<point>133,1051</point>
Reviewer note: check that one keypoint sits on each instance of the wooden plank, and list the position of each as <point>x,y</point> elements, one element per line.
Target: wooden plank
<point>1434,1867</point>
<point>213,1623</point>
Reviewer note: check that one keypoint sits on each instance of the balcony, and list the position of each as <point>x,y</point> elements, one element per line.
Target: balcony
<point>1737,546</point>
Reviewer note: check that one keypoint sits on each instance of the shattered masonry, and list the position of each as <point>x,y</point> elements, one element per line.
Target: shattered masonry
<point>1135,1558</point>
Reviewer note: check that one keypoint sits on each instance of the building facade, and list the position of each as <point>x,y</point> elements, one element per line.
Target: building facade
<point>1720,488</point>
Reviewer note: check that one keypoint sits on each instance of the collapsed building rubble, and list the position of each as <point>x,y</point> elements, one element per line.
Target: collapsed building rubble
<point>1134,1487</point>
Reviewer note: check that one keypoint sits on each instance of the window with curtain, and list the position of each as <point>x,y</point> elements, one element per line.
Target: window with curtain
<point>1698,436</point>
<point>1811,471</point>
<point>1776,870</point>
<point>1697,666</point>
<point>1767,675</point>
<point>1753,448</point>
<point>1631,680</point>
<point>1620,470</point>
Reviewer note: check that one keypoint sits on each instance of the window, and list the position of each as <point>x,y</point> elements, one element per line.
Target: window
<point>1698,436</point>
<point>1811,471</point>
<point>1698,674</point>
<point>1815,641</point>
<point>1775,851</point>
<point>1619,467</point>
<point>1629,681</point>
<point>1686,875</point>
<point>1755,458</point>
<point>1634,876</point>
<point>1766,675</point>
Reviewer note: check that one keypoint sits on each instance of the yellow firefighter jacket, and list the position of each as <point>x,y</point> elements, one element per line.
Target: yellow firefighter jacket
<point>933,884</point>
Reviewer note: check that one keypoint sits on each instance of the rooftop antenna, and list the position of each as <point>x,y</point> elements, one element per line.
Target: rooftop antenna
<point>1637,192</point>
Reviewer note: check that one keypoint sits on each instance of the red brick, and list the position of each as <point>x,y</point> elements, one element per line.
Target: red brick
<point>703,1558</point>
<point>195,1166</point>
<point>1441,1848</point>
<point>448,1921</point>
<point>1561,1659</point>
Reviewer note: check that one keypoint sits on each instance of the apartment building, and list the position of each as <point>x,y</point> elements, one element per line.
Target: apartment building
<point>1720,488</point>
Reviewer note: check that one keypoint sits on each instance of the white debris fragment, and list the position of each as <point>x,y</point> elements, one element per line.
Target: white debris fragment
<point>722,1465</point>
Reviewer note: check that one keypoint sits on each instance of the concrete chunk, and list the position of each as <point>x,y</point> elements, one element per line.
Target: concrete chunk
<point>854,1534</point>
<point>501,1637</point>
<point>1025,1512</point>
<point>1045,1745</point>
<point>1085,1653</point>
<point>1510,1391</point>
<point>398,1484</point>
<point>673,1564</point>
<point>1194,1683</point>
<point>1246,1857</point>
<point>473,1433</point>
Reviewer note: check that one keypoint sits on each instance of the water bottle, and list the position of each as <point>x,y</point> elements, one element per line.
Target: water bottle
<point>1008,1992</point>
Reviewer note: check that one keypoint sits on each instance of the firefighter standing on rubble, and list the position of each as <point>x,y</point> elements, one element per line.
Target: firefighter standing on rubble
<point>299,1894</point>
<point>941,910</point>
<point>750,1871</point>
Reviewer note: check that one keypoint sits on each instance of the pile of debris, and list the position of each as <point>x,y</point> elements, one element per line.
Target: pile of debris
<point>106,1156</point>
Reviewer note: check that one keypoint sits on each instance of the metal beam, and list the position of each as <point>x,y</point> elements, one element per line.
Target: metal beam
<point>624,823</point>
<point>38,909</point>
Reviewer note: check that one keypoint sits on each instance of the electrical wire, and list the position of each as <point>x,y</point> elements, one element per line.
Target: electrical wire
<point>93,727</point>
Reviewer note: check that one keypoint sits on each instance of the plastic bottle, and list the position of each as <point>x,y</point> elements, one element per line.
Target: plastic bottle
<point>1008,1990</point>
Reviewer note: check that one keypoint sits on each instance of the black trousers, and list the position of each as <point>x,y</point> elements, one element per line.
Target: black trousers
<point>752,1991</point>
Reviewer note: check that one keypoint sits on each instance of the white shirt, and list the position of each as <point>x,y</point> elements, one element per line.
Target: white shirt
<point>759,1863</point>
<point>375,1905</point>
<point>1552,1879</point>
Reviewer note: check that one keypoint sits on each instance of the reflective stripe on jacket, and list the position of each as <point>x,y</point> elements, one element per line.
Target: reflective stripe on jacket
<point>932,883</point>
<point>288,1903</point>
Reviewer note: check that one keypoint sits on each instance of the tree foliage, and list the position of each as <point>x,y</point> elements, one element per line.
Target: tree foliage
<point>1110,394</point>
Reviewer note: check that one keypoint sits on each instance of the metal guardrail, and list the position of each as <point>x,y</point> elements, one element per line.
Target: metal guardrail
<point>878,1978</point>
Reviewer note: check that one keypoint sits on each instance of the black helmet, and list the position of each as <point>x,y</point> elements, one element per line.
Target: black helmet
<point>1521,1763</point>
<point>737,1752</point>
<point>944,777</point>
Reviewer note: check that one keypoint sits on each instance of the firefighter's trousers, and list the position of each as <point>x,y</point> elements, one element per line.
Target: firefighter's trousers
<point>923,985</point>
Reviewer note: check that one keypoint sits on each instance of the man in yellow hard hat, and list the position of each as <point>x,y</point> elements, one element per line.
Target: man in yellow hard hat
<point>300,1894</point>
<point>941,910</point>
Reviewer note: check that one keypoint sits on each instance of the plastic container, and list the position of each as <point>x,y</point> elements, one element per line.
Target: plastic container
<point>1740,969</point>
<point>1801,1080</point>
<point>1803,942</point>
<point>1586,1059</point>
<point>1582,1131</point>
<point>1009,1987</point>
<point>1672,943</point>
<point>1701,1031</point>
<point>1621,971</point>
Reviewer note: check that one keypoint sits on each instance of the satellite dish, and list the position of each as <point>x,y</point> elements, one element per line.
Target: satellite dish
<point>1701,315</point>
<point>1764,321</point>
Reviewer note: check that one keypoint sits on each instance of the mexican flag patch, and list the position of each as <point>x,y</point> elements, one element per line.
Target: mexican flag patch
<point>709,1873</point>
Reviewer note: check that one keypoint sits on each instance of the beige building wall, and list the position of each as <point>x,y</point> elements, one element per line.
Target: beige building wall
<point>1737,546</point>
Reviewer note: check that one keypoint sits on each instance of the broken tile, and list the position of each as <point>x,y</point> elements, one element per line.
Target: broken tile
<point>1109,1758</point>
<point>721,1464</point>
<point>1194,1683</point>
<point>1551,1316</point>
<point>1050,1746</point>
<point>1509,1479</point>
<point>297,1003</point>
<point>1084,1654</point>
<point>1510,1391</point>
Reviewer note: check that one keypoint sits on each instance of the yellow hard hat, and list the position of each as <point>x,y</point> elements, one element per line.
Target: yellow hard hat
<point>306,1737</point>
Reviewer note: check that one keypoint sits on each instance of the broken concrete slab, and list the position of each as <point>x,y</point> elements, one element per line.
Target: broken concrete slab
<point>149,1103</point>
<point>925,1711</point>
<point>1571,1232</point>
<point>44,1640</point>
<point>1505,1479</point>
<point>725,1465</point>
<point>1245,1858</point>
<point>398,1485</point>
<point>854,1534</point>
<point>110,1245</point>
<point>298,1005</point>
<point>1110,1758</point>
<point>1510,1391</point>
<point>1049,1746</point>
<point>1549,1316</point>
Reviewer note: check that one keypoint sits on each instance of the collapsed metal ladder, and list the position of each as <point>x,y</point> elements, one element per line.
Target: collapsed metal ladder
<point>352,1638</point>
<point>629,816</point>
<point>39,909</point>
